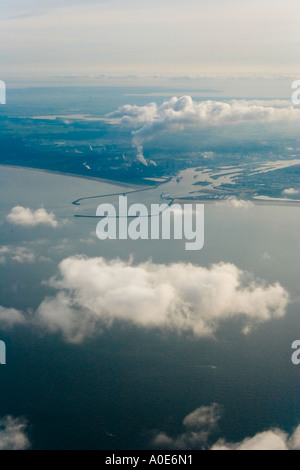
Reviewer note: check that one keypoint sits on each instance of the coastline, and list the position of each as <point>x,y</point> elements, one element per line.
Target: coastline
<point>224,203</point>
<point>74,175</point>
<point>140,187</point>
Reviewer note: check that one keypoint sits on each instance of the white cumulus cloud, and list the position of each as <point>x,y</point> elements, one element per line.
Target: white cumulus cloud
<point>9,317</point>
<point>13,434</point>
<point>26,217</point>
<point>201,423</point>
<point>274,439</point>
<point>290,192</point>
<point>93,293</point>
<point>178,113</point>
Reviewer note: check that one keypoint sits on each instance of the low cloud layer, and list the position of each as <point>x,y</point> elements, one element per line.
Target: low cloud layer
<point>178,113</point>
<point>202,423</point>
<point>4,250</point>
<point>20,254</point>
<point>10,317</point>
<point>274,439</point>
<point>290,192</point>
<point>27,218</point>
<point>13,434</point>
<point>93,293</point>
<point>198,426</point>
<point>232,201</point>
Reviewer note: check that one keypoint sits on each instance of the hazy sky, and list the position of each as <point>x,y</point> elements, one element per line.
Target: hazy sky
<point>149,37</point>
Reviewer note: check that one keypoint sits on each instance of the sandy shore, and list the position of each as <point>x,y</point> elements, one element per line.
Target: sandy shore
<point>72,175</point>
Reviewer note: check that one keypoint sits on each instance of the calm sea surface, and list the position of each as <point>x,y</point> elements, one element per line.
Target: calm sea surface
<point>117,390</point>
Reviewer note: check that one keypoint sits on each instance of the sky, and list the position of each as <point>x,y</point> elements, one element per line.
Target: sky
<point>147,37</point>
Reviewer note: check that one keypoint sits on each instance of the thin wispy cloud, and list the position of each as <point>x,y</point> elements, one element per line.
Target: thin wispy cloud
<point>232,201</point>
<point>10,317</point>
<point>150,37</point>
<point>20,254</point>
<point>198,426</point>
<point>23,255</point>
<point>13,434</point>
